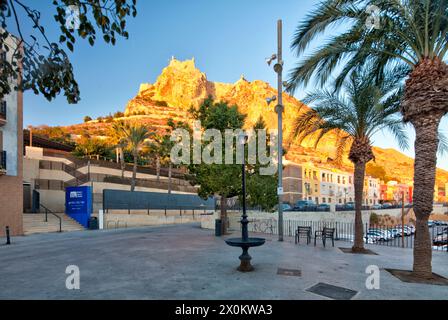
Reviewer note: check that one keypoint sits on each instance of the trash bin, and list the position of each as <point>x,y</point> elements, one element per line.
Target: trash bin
<point>218,226</point>
<point>93,223</point>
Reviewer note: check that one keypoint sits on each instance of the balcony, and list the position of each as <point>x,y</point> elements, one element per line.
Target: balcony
<point>2,162</point>
<point>2,113</point>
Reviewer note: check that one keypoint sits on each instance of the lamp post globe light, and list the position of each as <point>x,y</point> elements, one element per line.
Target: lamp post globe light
<point>244,242</point>
<point>278,68</point>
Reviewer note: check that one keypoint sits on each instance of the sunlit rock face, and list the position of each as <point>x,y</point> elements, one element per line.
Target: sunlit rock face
<point>181,85</point>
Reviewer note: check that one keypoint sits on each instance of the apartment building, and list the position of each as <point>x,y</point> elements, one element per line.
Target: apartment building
<point>325,185</point>
<point>371,191</point>
<point>392,191</point>
<point>11,149</point>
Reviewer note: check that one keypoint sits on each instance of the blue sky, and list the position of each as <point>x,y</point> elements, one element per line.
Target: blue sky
<point>227,38</point>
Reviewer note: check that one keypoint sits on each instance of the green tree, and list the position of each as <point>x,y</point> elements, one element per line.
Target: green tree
<point>134,137</point>
<point>91,146</point>
<point>160,148</point>
<point>118,114</point>
<point>354,117</point>
<point>46,66</point>
<point>223,180</point>
<point>262,189</point>
<point>410,34</point>
<point>87,119</point>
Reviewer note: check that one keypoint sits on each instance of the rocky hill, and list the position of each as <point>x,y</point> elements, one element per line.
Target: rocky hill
<point>181,85</point>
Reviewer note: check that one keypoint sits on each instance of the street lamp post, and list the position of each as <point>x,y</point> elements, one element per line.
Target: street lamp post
<point>278,68</point>
<point>244,242</point>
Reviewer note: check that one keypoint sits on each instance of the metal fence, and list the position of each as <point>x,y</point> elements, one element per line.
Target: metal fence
<point>137,200</point>
<point>344,231</point>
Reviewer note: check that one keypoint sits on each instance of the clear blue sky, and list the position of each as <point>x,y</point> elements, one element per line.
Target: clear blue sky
<point>227,38</point>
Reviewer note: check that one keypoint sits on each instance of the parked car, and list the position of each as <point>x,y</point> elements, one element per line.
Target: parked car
<point>379,235</point>
<point>386,205</point>
<point>304,205</point>
<point>395,232</point>
<point>440,240</point>
<point>431,223</point>
<point>323,207</point>
<point>442,231</point>
<point>408,230</point>
<point>286,207</point>
<point>387,235</point>
<point>375,207</point>
<point>350,206</point>
<point>375,236</point>
<point>411,227</point>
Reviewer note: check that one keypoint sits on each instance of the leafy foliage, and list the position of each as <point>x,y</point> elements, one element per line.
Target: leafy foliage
<point>217,179</point>
<point>409,31</point>
<point>46,66</point>
<point>88,146</point>
<point>357,114</point>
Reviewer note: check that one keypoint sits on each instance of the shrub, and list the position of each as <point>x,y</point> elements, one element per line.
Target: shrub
<point>161,103</point>
<point>118,114</point>
<point>87,119</point>
<point>374,218</point>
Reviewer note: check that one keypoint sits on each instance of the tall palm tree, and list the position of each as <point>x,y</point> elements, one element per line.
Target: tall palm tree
<point>354,116</point>
<point>411,34</point>
<point>116,138</point>
<point>134,137</point>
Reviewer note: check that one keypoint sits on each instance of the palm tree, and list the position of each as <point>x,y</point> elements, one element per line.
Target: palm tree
<point>354,117</point>
<point>116,138</point>
<point>134,136</point>
<point>160,147</point>
<point>412,34</point>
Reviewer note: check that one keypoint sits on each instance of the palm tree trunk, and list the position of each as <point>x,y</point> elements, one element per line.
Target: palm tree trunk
<point>426,146</point>
<point>223,215</point>
<point>134,171</point>
<point>122,163</point>
<point>170,168</point>
<point>158,167</point>
<point>360,168</point>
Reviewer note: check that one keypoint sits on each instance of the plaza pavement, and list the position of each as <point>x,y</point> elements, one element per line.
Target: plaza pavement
<point>186,262</point>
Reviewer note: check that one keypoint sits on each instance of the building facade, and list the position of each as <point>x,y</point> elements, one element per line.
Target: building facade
<point>11,151</point>
<point>325,185</point>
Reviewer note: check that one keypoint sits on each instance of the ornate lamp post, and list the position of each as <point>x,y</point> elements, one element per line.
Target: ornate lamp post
<point>244,242</point>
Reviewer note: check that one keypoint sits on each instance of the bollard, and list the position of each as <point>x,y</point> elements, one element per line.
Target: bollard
<point>8,238</point>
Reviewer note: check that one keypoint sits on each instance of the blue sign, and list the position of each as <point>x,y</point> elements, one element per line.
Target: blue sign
<point>78,204</point>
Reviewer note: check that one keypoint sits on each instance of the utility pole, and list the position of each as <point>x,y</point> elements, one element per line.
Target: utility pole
<point>278,68</point>
<point>402,219</point>
<point>279,109</point>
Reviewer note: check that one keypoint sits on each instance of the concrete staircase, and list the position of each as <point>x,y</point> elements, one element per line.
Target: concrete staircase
<point>35,223</point>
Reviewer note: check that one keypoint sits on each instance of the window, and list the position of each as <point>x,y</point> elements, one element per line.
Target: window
<point>340,201</point>
<point>324,200</point>
<point>2,56</point>
<point>350,180</point>
<point>316,188</point>
<point>339,179</point>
